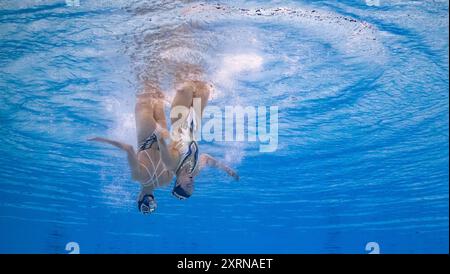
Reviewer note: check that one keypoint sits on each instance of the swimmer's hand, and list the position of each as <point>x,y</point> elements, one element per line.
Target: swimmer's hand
<point>208,160</point>
<point>232,173</point>
<point>169,155</point>
<point>176,145</point>
<point>161,132</point>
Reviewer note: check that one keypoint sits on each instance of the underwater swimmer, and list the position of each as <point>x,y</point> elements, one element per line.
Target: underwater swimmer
<point>185,162</point>
<point>145,164</point>
<point>156,163</point>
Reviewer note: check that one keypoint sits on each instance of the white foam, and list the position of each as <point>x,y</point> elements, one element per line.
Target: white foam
<point>232,66</point>
<point>181,55</point>
<point>234,153</point>
<point>349,35</point>
<point>122,113</point>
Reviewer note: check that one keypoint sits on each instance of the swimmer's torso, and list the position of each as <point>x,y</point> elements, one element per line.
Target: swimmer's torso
<point>154,172</point>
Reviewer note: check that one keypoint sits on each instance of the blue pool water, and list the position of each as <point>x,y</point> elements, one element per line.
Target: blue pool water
<point>362,92</point>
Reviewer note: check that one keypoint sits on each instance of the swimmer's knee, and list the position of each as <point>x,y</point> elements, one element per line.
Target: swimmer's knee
<point>144,108</point>
<point>203,91</point>
<point>140,105</point>
<point>186,90</point>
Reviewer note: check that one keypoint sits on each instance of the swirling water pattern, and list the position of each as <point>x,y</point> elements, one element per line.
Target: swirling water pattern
<point>362,92</point>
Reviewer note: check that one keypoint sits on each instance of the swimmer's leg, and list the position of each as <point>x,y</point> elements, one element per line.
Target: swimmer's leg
<point>183,97</point>
<point>191,90</point>
<point>202,91</point>
<point>144,114</point>
<point>160,116</point>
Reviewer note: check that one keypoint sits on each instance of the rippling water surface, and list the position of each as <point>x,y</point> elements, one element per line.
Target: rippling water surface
<point>363,151</point>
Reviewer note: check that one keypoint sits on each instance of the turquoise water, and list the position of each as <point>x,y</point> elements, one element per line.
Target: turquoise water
<point>363,154</point>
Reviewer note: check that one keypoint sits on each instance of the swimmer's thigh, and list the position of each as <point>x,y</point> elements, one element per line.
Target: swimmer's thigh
<point>144,114</point>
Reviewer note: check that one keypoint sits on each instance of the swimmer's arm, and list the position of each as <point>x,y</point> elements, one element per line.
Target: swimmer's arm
<point>208,160</point>
<point>133,161</point>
